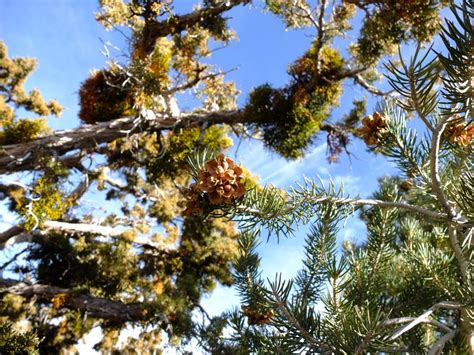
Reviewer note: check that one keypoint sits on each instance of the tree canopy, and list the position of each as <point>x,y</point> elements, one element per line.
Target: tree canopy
<point>189,218</point>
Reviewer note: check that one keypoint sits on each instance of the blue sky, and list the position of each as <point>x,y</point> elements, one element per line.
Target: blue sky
<point>67,41</point>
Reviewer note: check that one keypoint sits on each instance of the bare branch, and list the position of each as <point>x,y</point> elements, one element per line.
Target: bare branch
<point>424,316</point>
<point>106,231</point>
<point>321,32</point>
<point>80,190</point>
<point>436,185</point>
<point>10,233</point>
<point>434,168</point>
<point>370,88</point>
<point>403,320</point>
<point>82,228</point>
<point>18,235</point>
<point>94,306</point>
<point>438,346</point>
<point>176,24</point>
<point>12,259</point>
<point>23,156</point>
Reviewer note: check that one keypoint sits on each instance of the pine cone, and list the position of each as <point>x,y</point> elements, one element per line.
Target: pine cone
<point>221,180</point>
<point>373,127</point>
<point>257,316</point>
<point>460,133</point>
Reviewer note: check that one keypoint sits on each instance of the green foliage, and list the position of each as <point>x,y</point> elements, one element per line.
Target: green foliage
<point>104,97</point>
<point>15,343</point>
<point>144,249</point>
<point>416,260</point>
<point>179,146</point>
<point>389,23</point>
<point>49,203</point>
<point>458,63</point>
<point>84,265</point>
<point>356,113</point>
<point>13,75</point>
<point>415,82</point>
<point>290,117</point>
<point>22,130</point>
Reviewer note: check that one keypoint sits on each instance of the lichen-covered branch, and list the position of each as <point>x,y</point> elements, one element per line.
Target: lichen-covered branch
<point>176,24</point>
<point>94,306</point>
<point>24,156</point>
<point>17,234</point>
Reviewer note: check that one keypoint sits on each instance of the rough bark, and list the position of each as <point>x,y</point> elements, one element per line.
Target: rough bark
<point>177,24</point>
<point>17,234</point>
<point>94,306</point>
<point>10,233</point>
<point>24,156</point>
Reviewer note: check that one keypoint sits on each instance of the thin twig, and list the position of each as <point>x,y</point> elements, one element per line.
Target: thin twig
<point>434,167</point>
<point>354,202</point>
<point>424,316</point>
<point>441,342</point>
<point>403,320</point>
<point>4,265</point>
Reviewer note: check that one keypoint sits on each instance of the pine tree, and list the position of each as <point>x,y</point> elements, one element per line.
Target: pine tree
<point>172,241</point>
<point>408,287</point>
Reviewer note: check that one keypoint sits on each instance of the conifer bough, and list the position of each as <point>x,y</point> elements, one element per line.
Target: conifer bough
<point>140,255</point>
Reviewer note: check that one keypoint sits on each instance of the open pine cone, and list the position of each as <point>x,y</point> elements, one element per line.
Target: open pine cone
<point>460,133</point>
<point>373,127</point>
<point>221,180</point>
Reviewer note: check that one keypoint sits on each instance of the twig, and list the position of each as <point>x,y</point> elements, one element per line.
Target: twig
<point>403,320</point>
<point>355,202</point>
<point>370,88</point>
<point>4,265</point>
<point>434,167</point>
<point>424,316</point>
<point>441,342</point>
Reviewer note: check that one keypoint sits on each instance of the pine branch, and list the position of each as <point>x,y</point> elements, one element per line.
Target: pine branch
<point>434,169</point>
<point>458,38</point>
<point>310,341</point>
<point>415,82</point>
<point>94,306</point>
<point>464,264</point>
<point>347,201</point>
